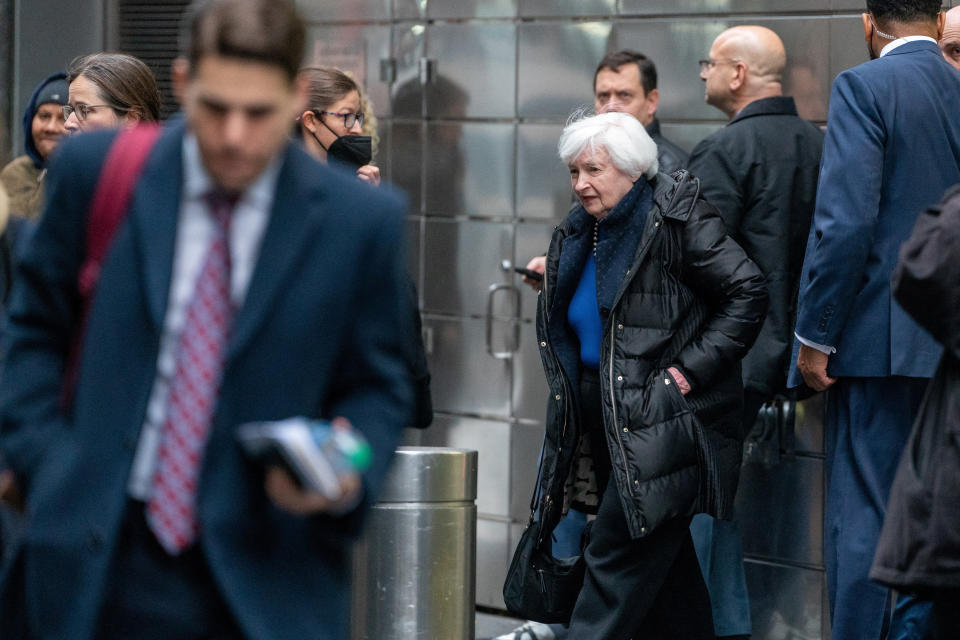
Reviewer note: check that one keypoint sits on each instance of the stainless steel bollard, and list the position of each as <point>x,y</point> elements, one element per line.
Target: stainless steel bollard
<point>414,571</point>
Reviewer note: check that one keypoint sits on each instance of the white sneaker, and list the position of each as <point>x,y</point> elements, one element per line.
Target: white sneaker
<point>529,631</point>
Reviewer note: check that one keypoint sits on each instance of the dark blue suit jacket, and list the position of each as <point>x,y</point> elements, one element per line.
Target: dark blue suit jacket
<point>892,149</point>
<point>320,334</point>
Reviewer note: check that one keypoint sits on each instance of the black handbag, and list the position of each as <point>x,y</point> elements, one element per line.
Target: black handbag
<point>538,586</point>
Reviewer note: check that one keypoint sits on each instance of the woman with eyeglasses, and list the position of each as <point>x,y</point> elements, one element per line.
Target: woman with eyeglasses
<point>332,127</point>
<point>110,90</point>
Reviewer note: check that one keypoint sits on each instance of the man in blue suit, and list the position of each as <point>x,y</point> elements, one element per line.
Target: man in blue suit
<point>892,148</point>
<point>302,286</point>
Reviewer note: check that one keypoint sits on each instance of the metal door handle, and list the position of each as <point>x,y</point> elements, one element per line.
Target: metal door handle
<point>491,293</point>
<point>427,68</point>
<point>388,70</point>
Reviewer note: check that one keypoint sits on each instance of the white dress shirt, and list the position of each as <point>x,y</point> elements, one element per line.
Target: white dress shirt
<point>886,49</point>
<point>195,229</point>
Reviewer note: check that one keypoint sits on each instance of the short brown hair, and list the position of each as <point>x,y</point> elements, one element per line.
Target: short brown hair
<point>124,82</point>
<point>615,60</point>
<point>265,31</point>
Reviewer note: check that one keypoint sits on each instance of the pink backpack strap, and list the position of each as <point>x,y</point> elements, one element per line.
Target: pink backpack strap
<point>111,199</point>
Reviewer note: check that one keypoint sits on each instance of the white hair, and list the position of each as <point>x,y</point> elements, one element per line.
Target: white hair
<point>623,137</point>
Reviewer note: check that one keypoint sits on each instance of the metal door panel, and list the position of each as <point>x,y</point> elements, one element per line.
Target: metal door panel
<point>490,439</point>
<point>461,261</point>
<point>808,426</point>
<point>567,8</point>
<point>405,161</point>
<point>676,46</point>
<point>543,182</point>
<point>688,135</point>
<point>493,540</point>
<point>847,48</point>
<point>382,156</point>
<point>408,44</point>
<point>463,378</point>
<point>354,11</point>
<point>526,441</point>
<point>556,66</point>
<point>530,391</point>
<point>357,49</point>
<point>414,248</point>
<point>409,9</point>
<point>654,7</point>
<point>532,240</point>
<point>469,169</point>
<point>785,602</point>
<point>471,8</point>
<point>782,509</point>
<point>474,72</point>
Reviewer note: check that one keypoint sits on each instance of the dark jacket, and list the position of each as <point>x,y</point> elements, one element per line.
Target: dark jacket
<point>670,156</point>
<point>690,298</point>
<point>919,547</point>
<point>760,172</point>
<point>289,354</point>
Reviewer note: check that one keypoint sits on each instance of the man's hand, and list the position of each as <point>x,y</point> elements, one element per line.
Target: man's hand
<point>9,492</point>
<point>538,264</point>
<point>813,366</point>
<point>369,174</point>
<point>286,494</point>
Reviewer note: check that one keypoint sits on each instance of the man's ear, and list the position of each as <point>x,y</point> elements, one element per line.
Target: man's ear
<point>653,101</point>
<point>180,77</point>
<point>941,21</point>
<point>300,86</point>
<point>739,78</point>
<point>867,27</point>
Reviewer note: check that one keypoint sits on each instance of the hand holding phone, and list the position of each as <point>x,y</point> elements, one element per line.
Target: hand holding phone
<point>529,273</point>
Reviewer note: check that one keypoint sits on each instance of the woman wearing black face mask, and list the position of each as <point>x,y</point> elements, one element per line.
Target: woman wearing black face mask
<point>332,126</point>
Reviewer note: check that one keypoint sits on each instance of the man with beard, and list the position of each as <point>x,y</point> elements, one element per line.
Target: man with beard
<point>892,149</point>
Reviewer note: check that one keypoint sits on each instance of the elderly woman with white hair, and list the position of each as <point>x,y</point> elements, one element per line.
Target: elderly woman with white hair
<point>646,310</point>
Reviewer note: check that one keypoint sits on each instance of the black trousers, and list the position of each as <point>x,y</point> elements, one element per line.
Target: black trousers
<point>152,595</point>
<point>648,588</point>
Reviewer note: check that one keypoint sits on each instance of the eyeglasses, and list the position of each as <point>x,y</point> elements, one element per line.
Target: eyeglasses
<point>84,110</point>
<point>348,118</point>
<point>709,63</point>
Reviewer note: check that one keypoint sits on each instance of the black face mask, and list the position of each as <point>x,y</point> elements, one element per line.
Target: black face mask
<point>355,151</point>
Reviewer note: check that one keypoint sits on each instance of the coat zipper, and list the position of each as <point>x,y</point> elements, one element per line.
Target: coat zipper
<point>613,406</point>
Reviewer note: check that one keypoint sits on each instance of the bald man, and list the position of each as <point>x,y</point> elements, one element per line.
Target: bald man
<point>950,40</point>
<point>760,171</point>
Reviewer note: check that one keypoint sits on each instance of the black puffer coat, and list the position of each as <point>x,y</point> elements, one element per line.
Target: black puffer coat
<point>691,299</point>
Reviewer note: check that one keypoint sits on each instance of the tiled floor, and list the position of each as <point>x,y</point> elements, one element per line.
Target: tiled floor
<point>490,626</point>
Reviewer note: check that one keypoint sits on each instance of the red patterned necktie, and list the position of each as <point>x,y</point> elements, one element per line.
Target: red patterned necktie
<point>171,510</point>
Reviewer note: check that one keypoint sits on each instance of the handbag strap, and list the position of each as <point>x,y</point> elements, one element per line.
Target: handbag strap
<point>111,199</point>
<point>108,207</point>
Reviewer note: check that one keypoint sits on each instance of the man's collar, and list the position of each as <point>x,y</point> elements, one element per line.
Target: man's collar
<point>902,41</point>
<point>653,129</point>
<point>197,182</point>
<point>773,106</point>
